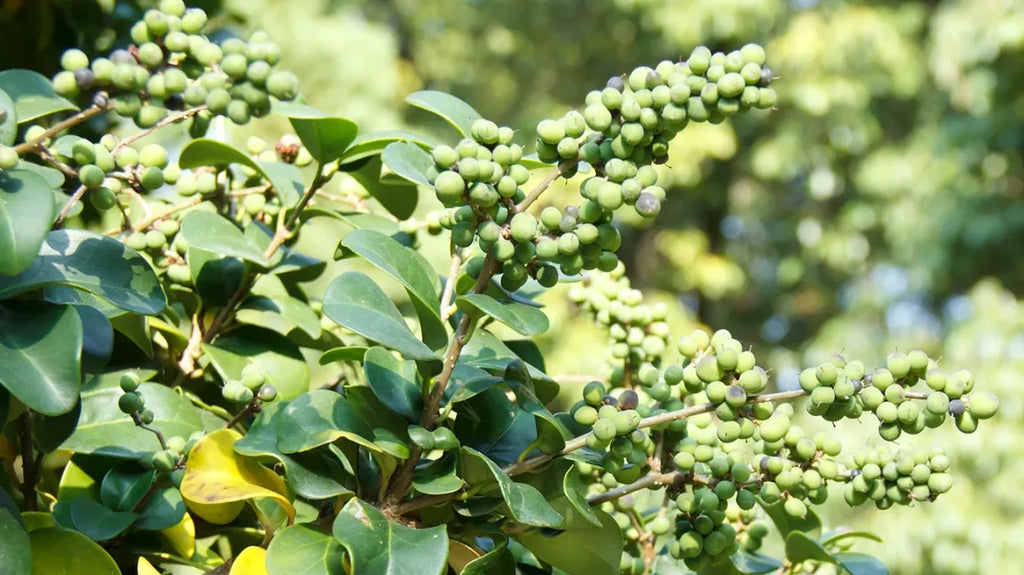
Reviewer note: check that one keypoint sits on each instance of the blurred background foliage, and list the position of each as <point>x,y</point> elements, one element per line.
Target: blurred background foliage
<point>879,207</point>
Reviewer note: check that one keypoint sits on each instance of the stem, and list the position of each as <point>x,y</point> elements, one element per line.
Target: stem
<point>151,429</point>
<point>28,468</point>
<point>33,145</point>
<point>145,223</point>
<point>538,190</point>
<point>447,309</point>
<point>248,409</point>
<point>71,202</point>
<point>283,231</point>
<point>175,117</point>
<point>645,482</point>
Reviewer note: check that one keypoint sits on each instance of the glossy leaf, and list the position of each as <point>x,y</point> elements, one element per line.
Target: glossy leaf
<point>357,303</point>
<point>104,430</point>
<point>576,493</point>
<point>15,548</point>
<point>121,490</point>
<point>399,198</point>
<point>287,181</point>
<point>181,537</point>
<point>372,143</point>
<point>582,549</point>
<point>59,551</point>
<point>97,264</point>
<point>347,353</point>
<point>144,567</point>
<point>439,476</point>
<point>97,521</point>
<point>326,137</point>
<point>206,152</point>
<point>456,112</point>
<point>861,564</point>
<point>215,233</point>
<point>164,509</point>
<point>495,426</point>
<point>524,319</point>
<point>8,120</point>
<point>754,564</point>
<point>278,357</point>
<point>317,418</point>
<point>216,474</point>
<point>497,561</point>
<point>40,351</point>
<point>33,95</point>
<point>280,314</point>
<point>25,217</point>
<point>525,503</point>
<point>800,547</point>
<point>377,546</point>
<point>394,381</point>
<point>251,561</point>
<point>302,550</point>
<point>486,351</point>
<point>408,161</point>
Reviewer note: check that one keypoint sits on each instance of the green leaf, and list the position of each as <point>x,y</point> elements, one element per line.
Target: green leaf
<point>325,137</point>
<point>456,112</point>
<point>497,561</point>
<point>409,162</point>
<point>398,198</point>
<point>582,549</point>
<point>281,314</point>
<point>313,474</point>
<point>121,490</point>
<point>394,381</point>
<point>524,319</point>
<point>439,476</point>
<point>97,264</point>
<point>25,218</point>
<point>59,551</point>
<point>50,432</point>
<point>278,357</point>
<point>526,504</point>
<point>488,352</point>
<point>104,430</point>
<point>576,493</point>
<point>377,546</point>
<point>754,564</point>
<point>410,269</point>
<point>98,522</point>
<point>302,550</point>
<point>372,143</point>
<point>800,547</point>
<point>97,338</point>
<point>495,426</point>
<point>40,351</point>
<point>287,181</point>
<point>164,509</point>
<point>215,233</point>
<point>9,121</point>
<point>834,537</point>
<point>33,95</point>
<point>357,303</point>
<point>810,524</point>
<point>15,547</point>
<point>347,353</point>
<point>861,564</point>
<point>205,152</point>
<point>317,418</point>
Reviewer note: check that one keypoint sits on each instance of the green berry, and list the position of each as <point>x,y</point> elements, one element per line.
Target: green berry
<point>130,402</point>
<point>523,227</point>
<point>283,85</point>
<point>91,176</point>
<point>8,158</point>
<point>153,155</point>
<point>983,404</point>
<point>73,59</point>
<point>164,460</point>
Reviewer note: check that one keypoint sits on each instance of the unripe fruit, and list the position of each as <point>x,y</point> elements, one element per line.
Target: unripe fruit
<point>130,402</point>
<point>164,460</point>
<point>8,158</point>
<point>484,131</point>
<point>153,155</point>
<point>283,85</point>
<point>91,176</point>
<point>983,404</point>
<point>550,131</point>
<point>523,227</point>
<point>604,430</point>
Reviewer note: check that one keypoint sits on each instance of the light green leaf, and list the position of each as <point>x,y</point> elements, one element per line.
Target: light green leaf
<point>278,357</point>
<point>836,536</point>
<point>325,137</point>
<point>394,382</point>
<point>372,143</point>
<point>302,550</point>
<point>25,218</point>
<point>59,551</point>
<point>380,547</point>
<point>40,351</point>
<point>456,112</point>
<point>215,233</point>
<point>287,181</point>
<point>33,95</point>
<point>97,264</point>
<point>526,504</point>
<point>348,353</point>
<point>357,303</point>
<point>581,549</point>
<point>408,161</point>
<point>15,547</point>
<point>800,547</point>
<point>279,313</point>
<point>317,418</point>
<point>861,564</point>
<point>524,319</point>
<point>439,476</point>
<point>8,121</point>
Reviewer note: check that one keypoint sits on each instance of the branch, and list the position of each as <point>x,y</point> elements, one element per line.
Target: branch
<point>447,309</point>
<point>175,117</point>
<point>34,144</point>
<point>145,223</point>
<point>540,189</point>
<point>283,231</point>
<point>71,202</point>
<point>650,480</point>
<point>28,468</point>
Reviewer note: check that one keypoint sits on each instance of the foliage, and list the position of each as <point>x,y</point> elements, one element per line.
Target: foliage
<point>158,320</point>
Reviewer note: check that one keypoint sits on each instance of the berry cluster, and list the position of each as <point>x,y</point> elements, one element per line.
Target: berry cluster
<point>614,422</point>
<point>889,477</point>
<point>172,65</point>
<point>171,456</point>
<point>251,387</point>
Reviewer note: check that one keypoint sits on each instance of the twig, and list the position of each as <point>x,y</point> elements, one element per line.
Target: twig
<point>650,480</point>
<point>447,309</point>
<point>28,468</point>
<point>151,429</point>
<point>539,189</point>
<point>284,230</point>
<point>34,144</point>
<point>245,412</point>
<point>71,202</point>
<point>145,223</point>
<point>175,117</point>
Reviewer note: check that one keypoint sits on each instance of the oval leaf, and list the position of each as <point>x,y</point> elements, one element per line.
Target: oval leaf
<point>526,504</point>
<point>278,357</point>
<point>40,351</point>
<point>33,95</point>
<point>97,521</point>
<point>394,382</point>
<point>15,547</point>
<point>380,547</point>
<point>325,137</point>
<point>216,474</point>
<point>251,561</point>
<point>399,197</point>
<point>372,143</point>
<point>220,235</point>
<point>302,550</point>
<point>524,319</point>
<point>97,264</point>
<point>800,547</point>
<point>25,217</point>
<point>408,161</point>
<point>582,549</point>
<point>357,303</point>
<point>456,112</point>
<point>861,564</point>
<point>8,120</point>
<point>56,550</point>
<point>317,418</point>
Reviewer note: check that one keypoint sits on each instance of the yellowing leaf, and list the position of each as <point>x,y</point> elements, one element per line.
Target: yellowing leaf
<point>215,475</point>
<point>216,513</point>
<point>146,568</point>
<point>181,538</point>
<point>459,555</point>
<point>251,561</point>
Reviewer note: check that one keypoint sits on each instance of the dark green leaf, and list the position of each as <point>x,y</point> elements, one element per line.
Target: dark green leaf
<point>97,338</point>
<point>325,137</point>
<point>15,548</point>
<point>121,490</point>
<point>357,303</point>
<point>9,121</point>
<point>287,181</point>
<point>833,537</point>
<point>279,313</point>
<point>753,564</point>
<point>398,198</point>
<point>164,508</point>
<point>317,418</point>
<point>97,264</point>
<point>302,550</point>
<point>800,547</point>
<point>348,353</point>
<point>582,549</point>
<point>220,235</point>
<point>810,524</point>
<point>40,351</point>
<point>456,112</point>
<point>493,425</point>
<point>372,143</point>
<point>524,319</point>
<point>377,546</point>
<point>525,503</point>
<point>51,431</point>
<point>409,162</point>
<point>104,430</point>
<point>215,278</point>
<point>576,493</point>
<point>439,476</point>
<point>861,564</point>
<point>25,218</point>
<point>394,381</point>
<point>488,352</point>
<point>99,523</point>
<point>33,95</point>
<point>497,561</point>
<point>278,357</point>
